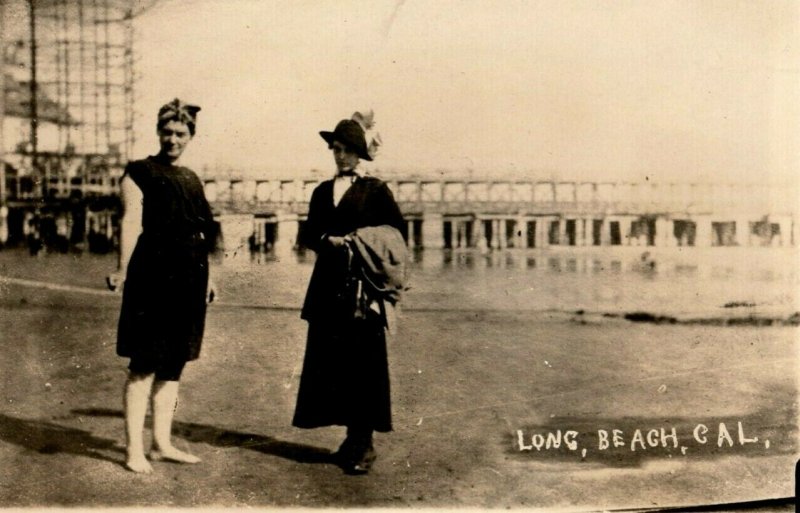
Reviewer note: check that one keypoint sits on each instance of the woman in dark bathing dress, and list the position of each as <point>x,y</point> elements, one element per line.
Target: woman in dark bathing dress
<point>167,231</point>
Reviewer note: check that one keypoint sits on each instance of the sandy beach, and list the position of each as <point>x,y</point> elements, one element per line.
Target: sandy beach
<point>645,415</point>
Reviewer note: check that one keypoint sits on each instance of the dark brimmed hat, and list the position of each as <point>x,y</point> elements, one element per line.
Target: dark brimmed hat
<point>351,134</point>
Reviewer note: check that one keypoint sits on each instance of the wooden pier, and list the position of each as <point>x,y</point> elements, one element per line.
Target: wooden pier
<point>268,214</point>
<point>500,214</point>
<point>71,200</point>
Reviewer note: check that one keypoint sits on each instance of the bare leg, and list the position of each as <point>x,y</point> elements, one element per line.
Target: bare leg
<point>137,393</point>
<point>165,399</point>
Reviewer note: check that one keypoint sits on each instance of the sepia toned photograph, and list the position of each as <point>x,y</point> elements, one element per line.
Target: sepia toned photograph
<point>529,254</point>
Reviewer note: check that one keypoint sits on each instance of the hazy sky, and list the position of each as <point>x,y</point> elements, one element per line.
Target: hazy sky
<point>670,90</point>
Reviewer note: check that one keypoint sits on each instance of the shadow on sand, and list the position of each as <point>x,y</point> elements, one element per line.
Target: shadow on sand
<point>214,436</point>
<point>48,438</point>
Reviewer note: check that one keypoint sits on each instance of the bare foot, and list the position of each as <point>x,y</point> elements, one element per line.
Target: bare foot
<point>139,464</point>
<point>174,455</point>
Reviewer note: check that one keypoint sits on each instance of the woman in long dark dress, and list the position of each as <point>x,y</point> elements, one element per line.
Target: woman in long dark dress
<point>345,377</point>
<point>166,233</point>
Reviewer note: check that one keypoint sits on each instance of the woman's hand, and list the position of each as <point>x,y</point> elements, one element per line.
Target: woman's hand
<point>211,292</point>
<point>335,241</point>
<point>115,281</point>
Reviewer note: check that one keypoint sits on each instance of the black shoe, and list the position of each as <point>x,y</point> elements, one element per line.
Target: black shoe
<point>363,464</point>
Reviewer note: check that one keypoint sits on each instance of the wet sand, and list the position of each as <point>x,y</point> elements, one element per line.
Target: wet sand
<point>472,391</point>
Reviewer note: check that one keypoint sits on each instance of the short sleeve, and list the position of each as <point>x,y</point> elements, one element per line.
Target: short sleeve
<point>138,171</point>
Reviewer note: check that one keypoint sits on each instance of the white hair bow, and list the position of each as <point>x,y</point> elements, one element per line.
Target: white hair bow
<point>367,121</point>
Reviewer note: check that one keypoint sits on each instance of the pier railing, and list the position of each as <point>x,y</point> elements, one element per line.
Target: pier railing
<point>460,213</point>
<point>29,179</point>
<point>27,188</point>
<point>512,196</point>
<point>450,197</point>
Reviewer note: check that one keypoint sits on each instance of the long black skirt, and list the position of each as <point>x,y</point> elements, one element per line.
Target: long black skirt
<point>345,378</point>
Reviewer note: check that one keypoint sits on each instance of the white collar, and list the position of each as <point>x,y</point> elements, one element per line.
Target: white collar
<point>356,174</point>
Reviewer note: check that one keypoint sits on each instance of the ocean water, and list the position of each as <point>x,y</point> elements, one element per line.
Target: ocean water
<point>716,281</point>
<point>688,282</point>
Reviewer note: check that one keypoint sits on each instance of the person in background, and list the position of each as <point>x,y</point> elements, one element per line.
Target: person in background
<point>3,223</point>
<point>345,376</point>
<point>32,231</point>
<point>167,232</point>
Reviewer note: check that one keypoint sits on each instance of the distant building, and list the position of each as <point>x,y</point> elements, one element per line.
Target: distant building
<point>56,127</point>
